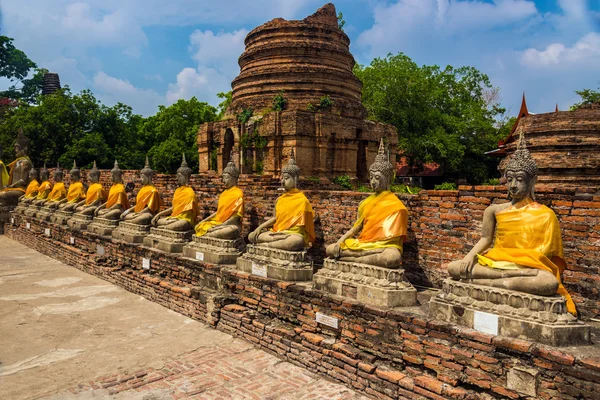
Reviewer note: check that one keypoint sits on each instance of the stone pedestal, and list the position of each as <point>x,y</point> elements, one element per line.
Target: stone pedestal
<point>31,211</point>
<point>5,216</point>
<point>167,240</point>
<point>520,315</point>
<point>102,226</point>
<point>80,222</point>
<point>213,250</point>
<point>276,264</point>
<point>20,209</point>
<point>131,233</point>
<point>61,217</point>
<point>45,213</point>
<point>368,284</point>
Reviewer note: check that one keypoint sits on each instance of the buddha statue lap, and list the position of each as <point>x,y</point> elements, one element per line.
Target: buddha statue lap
<point>107,215</point>
<point>367,268</point>
<point>278,245</point>
<point>18,178</point>
<point>58,193</point>
<point>515,269</point>
<point>217,238</point>
<point>95,196</point>
<point>135,221</point>
<point>173,227</point>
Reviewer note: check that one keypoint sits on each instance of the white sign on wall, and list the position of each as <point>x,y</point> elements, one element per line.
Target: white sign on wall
<point>485,322</point>
<point>72,240</point>
<point>100,250</point>
<point>259,270</point>
<point>47,232</point>
<point>28,225</point>
<point>145,263</point>
<point>199,256</point>
<point>327,320</point>
<point>12,221</point>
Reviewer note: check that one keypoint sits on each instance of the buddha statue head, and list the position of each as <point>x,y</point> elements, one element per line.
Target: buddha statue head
<point>146,173</point>
<point>44,174</point>
<point>381,172</point>
<point>290,174</point>
<point>21,144</point>
<point>116,174</point>
<point>230,174</point>
<point>58,173</point>
<point>521,173</point>
<point>94,175</point>
<point>74,173</point>
<point>32,174</point>
<point>183,172</point>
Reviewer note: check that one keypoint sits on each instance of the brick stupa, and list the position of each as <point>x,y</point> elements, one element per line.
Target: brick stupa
<point>304,61</point>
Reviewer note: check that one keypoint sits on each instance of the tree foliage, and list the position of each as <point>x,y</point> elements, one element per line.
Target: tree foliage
<point>16,66</point>
<point>588,96</point>
<point>442,115</point>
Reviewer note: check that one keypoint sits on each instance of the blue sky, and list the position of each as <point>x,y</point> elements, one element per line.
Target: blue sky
<point>150,52</point>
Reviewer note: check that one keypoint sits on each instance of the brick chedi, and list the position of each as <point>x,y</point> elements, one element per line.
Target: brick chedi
<point>564,144</point>
<point>309,64</point>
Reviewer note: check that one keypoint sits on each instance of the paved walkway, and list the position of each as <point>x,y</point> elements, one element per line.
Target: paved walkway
<point>67,335</point>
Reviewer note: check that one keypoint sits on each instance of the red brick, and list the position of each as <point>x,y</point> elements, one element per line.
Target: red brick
<point>549,353</point>
<point>389,375</point>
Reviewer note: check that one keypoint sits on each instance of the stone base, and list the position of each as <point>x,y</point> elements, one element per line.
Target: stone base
<point>167,240</point>
<point>368,284</point>
<point>45,213</point>
<point>31,211</point>
<point>61,217</point>
<point>276,264</point>
<point>102,226</point>
<point>20,209</point>
<point>80,222</point>
<point>131,233</point>
<point>5,216</point>
<point>214,251</point>
<point>520,315</point>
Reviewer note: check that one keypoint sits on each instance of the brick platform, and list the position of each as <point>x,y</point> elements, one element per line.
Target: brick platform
<point>397,353</point>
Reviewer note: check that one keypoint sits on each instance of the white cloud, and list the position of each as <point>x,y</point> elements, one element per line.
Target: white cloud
<point>112,90</point>
<point>203,82</point>
<point>585,52</point>
<point>217,50</point>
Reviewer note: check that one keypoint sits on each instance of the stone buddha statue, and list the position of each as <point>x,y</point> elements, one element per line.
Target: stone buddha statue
<point>94,196</point>
<point>381,225</point>
<point>148,201</point>
<point>18,174</point>
<point>4,176</point>
<point>226,223</point>
<point>520,247</point>
<point>44,189</point>
<point>181,216</point>
<point>32,189</point>
<point>292,227</point>
<point>117,201</point>
<point>58,191</point>
<point>76,191</point>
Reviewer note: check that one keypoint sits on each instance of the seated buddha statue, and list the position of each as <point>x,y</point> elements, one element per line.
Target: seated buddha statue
<point>381,225</point>
<point>226,223</point>
<point>147,201</point>
<point>116,201</point>
<point>520,247</point>
<point>18,174</point>
<point>44,189</point>
<point>181,216</point>
<point>292,227</point>
<point>4,176</point>
<point>95,195</point>
<point>58,191</point>
<point>32,189</point>
<point>76,191</point>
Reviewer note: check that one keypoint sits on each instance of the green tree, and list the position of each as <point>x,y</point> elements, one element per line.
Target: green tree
<point>15,66</point>
<point>227,97</point>
<point>442,115</point>
<point>172,131</point>
<point>588,96</point>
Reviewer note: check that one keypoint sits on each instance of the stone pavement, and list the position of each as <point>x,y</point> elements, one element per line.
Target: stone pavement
<point>68,335</point>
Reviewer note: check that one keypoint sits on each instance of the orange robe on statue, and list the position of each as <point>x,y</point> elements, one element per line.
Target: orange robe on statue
<point>76,193</point>
<point>294,214</point>
<point>117,195</point>
<point>58,192</point>
<point>185,204</point>
<point>33,187</point>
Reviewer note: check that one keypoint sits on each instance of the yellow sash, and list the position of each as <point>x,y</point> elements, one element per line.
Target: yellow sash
<point>231,202</point>
<point>58,192</point>
<point>44,190</point>
<point>4,176</point>
<point>117,195</point>
<point>384,222</point>
<point>32,189</point>
<point>148,196</point>
<point>76,192</point>
<point>530,236</point>
<point>185,204</point>
<point>95,192</point>
<point>294,214</point>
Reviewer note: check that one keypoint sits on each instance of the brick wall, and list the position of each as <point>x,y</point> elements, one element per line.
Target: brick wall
<point>443,225</point>
<point>396,353</point>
